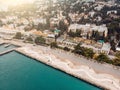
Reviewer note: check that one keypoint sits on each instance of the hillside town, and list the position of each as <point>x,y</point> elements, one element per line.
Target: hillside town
<point>60,44</point>
<point>92,24</point>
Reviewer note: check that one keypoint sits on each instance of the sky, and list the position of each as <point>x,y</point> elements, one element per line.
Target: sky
<point>13,2</point>
<point>4,4</point>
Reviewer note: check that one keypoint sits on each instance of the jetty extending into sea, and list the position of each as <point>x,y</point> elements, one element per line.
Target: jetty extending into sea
<point>7,51</point>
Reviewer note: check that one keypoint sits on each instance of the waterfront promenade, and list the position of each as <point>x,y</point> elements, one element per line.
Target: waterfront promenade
<point>99,74</point>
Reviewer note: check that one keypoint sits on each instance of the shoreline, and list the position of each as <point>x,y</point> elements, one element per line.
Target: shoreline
<point>81,71</point>
<point>60,70</point>
<point>111,80</point>
<point>91,83</point>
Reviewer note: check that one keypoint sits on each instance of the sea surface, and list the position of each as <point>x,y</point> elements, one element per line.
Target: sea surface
<point>4,48</point>
<point>19,72</point>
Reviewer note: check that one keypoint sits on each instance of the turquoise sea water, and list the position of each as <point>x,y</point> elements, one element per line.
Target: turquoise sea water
<point>18,72</point>
<point>3,48</point>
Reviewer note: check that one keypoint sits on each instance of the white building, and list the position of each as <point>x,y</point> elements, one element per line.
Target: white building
<point>39,20</point>
<point>99,7</point>
<point>112,11</point>
<point>92,13</point>
<point>106,48</point>
<point>118,47</point>
<point>112,2</point>
<point>8,34</point>
<point>88,28</point>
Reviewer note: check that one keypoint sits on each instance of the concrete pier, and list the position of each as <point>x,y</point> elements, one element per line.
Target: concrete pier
<point>5,52</point>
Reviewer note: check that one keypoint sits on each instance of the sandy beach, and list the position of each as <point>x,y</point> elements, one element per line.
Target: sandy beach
<point>102,75</point>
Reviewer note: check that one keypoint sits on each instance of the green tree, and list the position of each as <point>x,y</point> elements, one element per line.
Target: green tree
<point>116,61</point>
<point>97,35</point>
<point>113,45</point>
<point>78,33</point>
<point>102,58</point>
<point>1,23</point>
<point>29,39</point>
<point>75,34</point>
<point>66,49</point>
<point>18,35</point>
<point>71,34</point>
<point>62,26</point>
<point>118,55</point>
<point>78,49</point>
<point>53,45</point>
<point>40,40</point>
<point>88,53</point>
